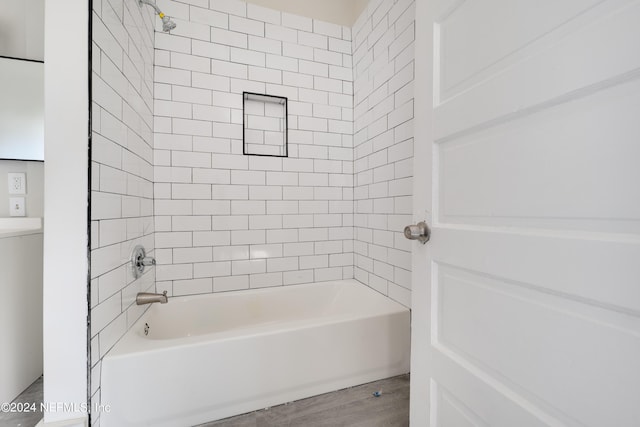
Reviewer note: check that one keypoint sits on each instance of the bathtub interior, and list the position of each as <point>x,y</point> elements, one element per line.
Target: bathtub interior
<point>237,311</point>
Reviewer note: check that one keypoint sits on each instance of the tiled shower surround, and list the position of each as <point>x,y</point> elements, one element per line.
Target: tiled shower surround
<point>383,57</point>
<point>226,221</point>
<point>168,170</point>
<point>122,171</point>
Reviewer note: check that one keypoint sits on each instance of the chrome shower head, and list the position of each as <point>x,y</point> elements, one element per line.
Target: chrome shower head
<point>167,24</point>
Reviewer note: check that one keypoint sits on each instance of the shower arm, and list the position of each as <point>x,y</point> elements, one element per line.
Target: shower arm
<point>153,5</point>
<point>167,24</point>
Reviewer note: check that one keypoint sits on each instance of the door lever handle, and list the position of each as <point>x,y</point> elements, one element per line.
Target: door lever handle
<point>420,232</point>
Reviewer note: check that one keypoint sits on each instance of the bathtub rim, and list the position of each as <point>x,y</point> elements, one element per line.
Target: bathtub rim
<point>133,342</point>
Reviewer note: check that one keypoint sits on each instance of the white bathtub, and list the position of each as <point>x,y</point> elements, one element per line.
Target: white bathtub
<point>213,356</point>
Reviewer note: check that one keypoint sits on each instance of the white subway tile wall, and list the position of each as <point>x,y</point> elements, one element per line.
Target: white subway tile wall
<point>168,170</point>
<point>122,160</point>
<point>383,69</point>
<point>226,221</point>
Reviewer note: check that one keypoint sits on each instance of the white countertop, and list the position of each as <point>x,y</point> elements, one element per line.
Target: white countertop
<point>11,227</point>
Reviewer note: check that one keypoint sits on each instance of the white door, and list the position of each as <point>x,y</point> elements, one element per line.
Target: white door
<point>526,301</point>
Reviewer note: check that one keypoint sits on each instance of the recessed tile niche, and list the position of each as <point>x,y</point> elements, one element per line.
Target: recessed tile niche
<point>264,125</point>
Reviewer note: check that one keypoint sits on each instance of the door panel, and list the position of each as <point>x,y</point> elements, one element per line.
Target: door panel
<point>500,327</point>
<point>483,400</point>
<point>598,47</point>
<point>526,300</point>
<point>472,35</point>
<point>450,408</point>
<point>596,268</point>
<point>582,154</point>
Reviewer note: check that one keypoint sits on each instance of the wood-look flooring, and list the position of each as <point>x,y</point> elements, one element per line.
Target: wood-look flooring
<point>33,394</point>
<point>351,407</point>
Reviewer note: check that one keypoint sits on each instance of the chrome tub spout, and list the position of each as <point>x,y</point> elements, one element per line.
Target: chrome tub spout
<point>149,298</point>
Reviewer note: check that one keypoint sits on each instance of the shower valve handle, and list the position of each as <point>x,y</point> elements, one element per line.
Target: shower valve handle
<point>140,260</point>
<point>148,261</point>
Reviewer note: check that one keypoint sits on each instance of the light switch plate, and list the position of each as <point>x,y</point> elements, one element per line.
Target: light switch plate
<point>16,206</point>
<point>17,183</point>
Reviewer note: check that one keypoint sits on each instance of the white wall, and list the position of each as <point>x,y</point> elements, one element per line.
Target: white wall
<point>341,12</point>
<point>22,29</point>
<point>383,57</point>
<point>21,313</point>
<point>122,168</point>
<point>66,199</point>
<point>226,221</point>
<point>34,199</point>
